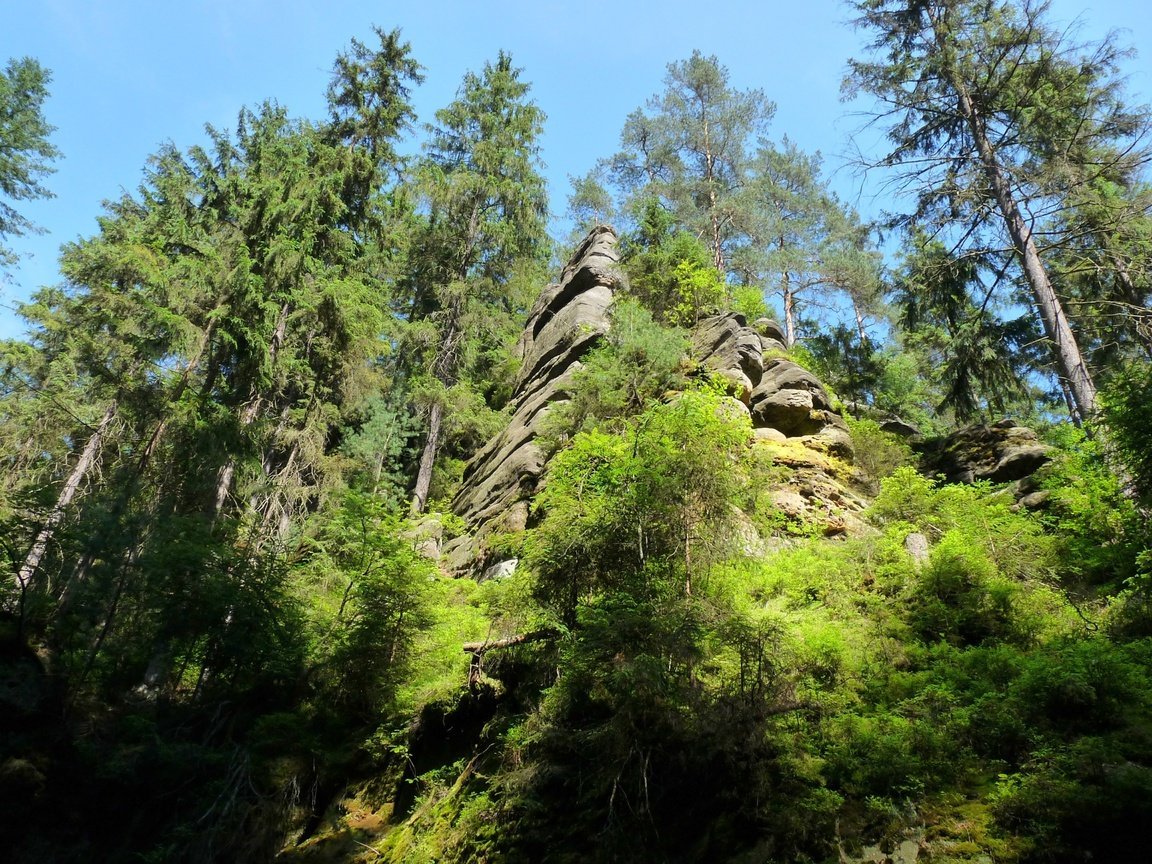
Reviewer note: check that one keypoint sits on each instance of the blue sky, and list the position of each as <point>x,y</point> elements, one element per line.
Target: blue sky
<point>129,75</point>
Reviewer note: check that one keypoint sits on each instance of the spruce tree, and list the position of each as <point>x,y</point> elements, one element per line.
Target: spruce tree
<point>25,152</point>
<point>485,202</point>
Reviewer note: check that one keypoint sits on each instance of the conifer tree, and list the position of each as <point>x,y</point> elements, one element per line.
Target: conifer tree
<point>486,203</point>
<point>214,335</point>
<point>699,152</point>
<point>995,120</point>
<point>25,152</point>
<point>690,148</point>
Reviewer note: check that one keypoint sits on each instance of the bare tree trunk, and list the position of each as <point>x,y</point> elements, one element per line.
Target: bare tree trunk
<point>427,459</point>
<point>1069,359</point>
<point>445,368</point>
<point>67,493</point>
<point>860,330</point>
<point>1068,356</point>
<point>713,205</point>
<point>789,313</point>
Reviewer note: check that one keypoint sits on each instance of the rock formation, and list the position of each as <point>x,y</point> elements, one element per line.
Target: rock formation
<point>565,323</point>
<point>793,417</point>
<point>795,421</point>
<point>1001,452</point>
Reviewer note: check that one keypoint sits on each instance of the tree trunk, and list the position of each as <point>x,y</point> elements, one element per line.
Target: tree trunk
<point>789,314</point>
<point>427,459</point>
<point>445,368</point>
<point>67,493</point>
<point>1067,351</point>
<point>713,205</point>
<point>861,331</point>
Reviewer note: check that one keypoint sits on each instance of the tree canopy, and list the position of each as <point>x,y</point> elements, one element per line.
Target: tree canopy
<point>333,532</point>
<point>26,154</point>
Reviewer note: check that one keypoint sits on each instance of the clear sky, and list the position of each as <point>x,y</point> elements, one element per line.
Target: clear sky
<point>129,75</point>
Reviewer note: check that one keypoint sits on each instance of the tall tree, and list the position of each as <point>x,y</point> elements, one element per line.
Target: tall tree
<point>485,202</point>
<point>216,333</point>
<point>948,312</point>
<point>802,241</point>
<point>994,119</point>
<point>691,148</point>
<point>699,153</point>
<point>25,153</point>
<point>1104,266</point>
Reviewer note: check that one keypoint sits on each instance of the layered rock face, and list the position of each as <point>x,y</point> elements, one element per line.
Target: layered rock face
<point>566,322</point>
<point>780,395</point>
<point>793,417</point>
<point>792,413</point>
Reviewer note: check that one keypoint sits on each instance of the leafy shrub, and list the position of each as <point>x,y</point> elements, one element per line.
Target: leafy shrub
<point>960,597</point>
<point>637,362</point>
<point>876,452</point>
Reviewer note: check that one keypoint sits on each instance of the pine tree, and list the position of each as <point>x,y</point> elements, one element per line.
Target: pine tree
<point>25,152</point>
<point>691,150</point>
<point>699,153</point>
<point>803,242</point>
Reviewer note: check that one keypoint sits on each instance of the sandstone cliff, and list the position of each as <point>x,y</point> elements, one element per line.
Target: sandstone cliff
<point>566,322</point>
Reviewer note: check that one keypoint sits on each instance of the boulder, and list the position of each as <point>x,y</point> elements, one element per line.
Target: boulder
<point>791,399</point>
<point>916,545</point>
<point>887,421</point>
<point>500,570</point>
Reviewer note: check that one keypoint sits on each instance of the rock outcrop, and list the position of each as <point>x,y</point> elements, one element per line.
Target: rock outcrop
<point>780,395</point>
<point>566,322</point>
<point>794,420</point>
<point>1000,453</point>
<point>796,424</point>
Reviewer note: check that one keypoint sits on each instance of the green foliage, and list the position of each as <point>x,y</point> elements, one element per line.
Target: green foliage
<point>946,313</point>
<point>688,149</point>
<point>876,452</point>
<point>478,244</point>
<point>1096,526</point>
<point>379,443</point>
<point>636,363</point>
<point>25,152</point>
<point>960,598</point>
<point>670,271</point>
<point>991,112</point>
<point>1128,418</point>
<point>643,509</point>
<point>1015,541</point>
<point>748,300</point>
<point>378,598</point>
<point>201,481</point>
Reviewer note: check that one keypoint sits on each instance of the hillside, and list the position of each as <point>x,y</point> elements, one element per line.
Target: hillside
<point>349,516</point>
